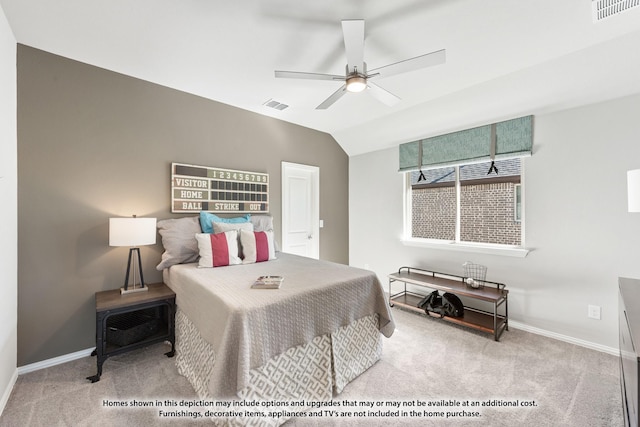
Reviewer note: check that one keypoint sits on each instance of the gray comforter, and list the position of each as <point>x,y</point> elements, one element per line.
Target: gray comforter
<point>247,327</point>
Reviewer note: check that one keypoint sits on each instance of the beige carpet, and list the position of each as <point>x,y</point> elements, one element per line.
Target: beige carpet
<point>426,361</point>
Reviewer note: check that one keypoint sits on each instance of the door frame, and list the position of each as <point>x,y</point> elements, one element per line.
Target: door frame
<point>287,168</point>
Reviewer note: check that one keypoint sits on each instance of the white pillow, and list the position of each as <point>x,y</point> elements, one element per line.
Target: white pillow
<point>257,246</point>
<point>217,250</point>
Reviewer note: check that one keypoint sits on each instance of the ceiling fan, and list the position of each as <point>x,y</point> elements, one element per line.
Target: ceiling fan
<point>357,78</point>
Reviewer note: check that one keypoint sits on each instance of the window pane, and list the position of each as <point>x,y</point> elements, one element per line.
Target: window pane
<point>434,176</point>
<point>487,213</point>
<point>518,203</point>
<point>506,168</point>
<point>433,198</point>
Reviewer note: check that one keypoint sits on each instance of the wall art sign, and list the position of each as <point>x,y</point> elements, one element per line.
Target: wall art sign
<point>202,188</point>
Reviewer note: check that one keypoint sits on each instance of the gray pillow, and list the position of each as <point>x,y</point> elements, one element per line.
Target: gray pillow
<point>179,241</point>
<point>262,222</point>
<point>221,227</point>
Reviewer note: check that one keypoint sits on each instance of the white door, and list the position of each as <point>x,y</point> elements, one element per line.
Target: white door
<point>300,209</point>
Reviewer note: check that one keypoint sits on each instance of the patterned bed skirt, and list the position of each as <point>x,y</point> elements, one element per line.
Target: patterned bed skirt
<point>310,372</point>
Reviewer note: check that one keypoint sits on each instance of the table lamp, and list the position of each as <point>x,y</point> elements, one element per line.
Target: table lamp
<point>132,232</point>
<point>633,190</point>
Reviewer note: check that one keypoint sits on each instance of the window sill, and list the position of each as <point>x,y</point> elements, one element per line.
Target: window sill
<point>511,251</point>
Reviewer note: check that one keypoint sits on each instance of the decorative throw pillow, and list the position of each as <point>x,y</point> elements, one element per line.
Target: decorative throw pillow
<point>264,223</point>
<point>207,218</point>
<point>217,250</point>
<point>178,240</point>
<point>257,246</point>
<point>221,227</point>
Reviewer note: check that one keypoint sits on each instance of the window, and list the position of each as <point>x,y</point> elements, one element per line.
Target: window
<point>465,204</point>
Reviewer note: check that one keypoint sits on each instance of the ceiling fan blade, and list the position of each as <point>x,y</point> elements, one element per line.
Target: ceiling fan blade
<point>382,95</point>
<point>353,31</point>
<point>333,98</point>
<point>434,58</point>
<point>308,76</point>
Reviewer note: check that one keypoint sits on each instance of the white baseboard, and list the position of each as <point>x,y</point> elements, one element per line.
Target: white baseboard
<point>517,325</point>
<point>593,346</point>
<point>8,390</point>
<point>37,366</point>
<point>55,361</point>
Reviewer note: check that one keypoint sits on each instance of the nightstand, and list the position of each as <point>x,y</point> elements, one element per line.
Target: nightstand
<point>131,321</point>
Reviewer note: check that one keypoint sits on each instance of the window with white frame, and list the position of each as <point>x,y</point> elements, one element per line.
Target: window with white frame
<point>466,204</point>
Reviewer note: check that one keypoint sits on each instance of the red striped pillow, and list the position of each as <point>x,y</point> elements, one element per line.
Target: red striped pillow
<point>257,246</point>
<point>217,250</point>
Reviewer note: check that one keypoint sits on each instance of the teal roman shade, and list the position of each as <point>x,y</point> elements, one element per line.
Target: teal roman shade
<point>410,155</point>
<point>514,138</point>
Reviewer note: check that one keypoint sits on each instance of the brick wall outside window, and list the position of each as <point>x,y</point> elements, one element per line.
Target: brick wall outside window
<point>487,213</point>
<point>434,213</point>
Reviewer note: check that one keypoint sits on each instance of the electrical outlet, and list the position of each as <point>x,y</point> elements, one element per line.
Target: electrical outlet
<point>594,312</point>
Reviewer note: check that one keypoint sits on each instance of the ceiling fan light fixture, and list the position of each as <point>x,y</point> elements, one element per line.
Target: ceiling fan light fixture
<point>356,84</point>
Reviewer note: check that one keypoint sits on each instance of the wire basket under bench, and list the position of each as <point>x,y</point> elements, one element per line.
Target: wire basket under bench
<point>494,320</point>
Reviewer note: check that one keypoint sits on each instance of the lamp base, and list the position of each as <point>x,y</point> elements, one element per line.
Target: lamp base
<point>131,289</point>
<point>124,291</point>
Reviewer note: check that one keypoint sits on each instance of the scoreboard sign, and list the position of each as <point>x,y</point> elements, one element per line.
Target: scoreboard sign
<point>201,188</point>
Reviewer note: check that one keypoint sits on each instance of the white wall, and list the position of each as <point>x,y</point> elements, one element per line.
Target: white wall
<point>577,225</point>
<point>9,211</point>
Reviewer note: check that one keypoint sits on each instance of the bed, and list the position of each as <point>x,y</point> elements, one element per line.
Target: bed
<point>302,342</point>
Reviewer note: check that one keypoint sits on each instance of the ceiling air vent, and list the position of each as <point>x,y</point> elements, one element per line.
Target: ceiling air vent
<point>279,106</point>
<point>603,9</point>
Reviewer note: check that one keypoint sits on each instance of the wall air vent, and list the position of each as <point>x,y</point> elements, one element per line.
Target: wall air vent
<point>277,105</point>
<point>603,9</point>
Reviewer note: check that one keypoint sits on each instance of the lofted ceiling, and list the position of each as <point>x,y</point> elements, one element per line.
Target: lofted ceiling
<point>505,58</point>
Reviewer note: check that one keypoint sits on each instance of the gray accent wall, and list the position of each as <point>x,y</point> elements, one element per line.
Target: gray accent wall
<point>93,144</point>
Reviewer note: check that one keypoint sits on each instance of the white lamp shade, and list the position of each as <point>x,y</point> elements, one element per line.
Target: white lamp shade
<point>633,190</point>
<point>132,231</point>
